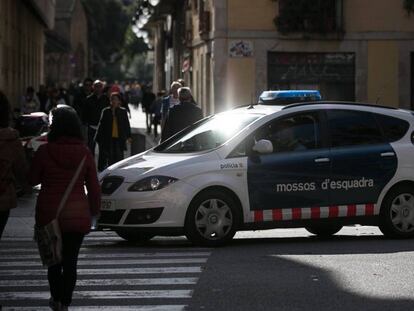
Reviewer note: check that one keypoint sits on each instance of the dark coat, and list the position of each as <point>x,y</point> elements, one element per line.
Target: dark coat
<point>12,167</point>
<point>104,133</point>
<point>53,167</point>
<point>179,117</point>
<point>147,99</point>
<point>93,108</point>
<point>79,104</point>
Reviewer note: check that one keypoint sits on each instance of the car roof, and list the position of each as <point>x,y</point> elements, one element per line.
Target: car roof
<point>270,109</point>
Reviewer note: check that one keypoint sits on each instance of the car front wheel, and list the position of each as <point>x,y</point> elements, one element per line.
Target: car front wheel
<point>397,213</point>
<point>212,218</point>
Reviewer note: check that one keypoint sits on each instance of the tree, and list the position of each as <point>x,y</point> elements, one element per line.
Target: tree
<point>114,47</point>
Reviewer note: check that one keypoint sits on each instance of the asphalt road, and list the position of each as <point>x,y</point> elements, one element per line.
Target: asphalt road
<point>284,269</point>
<point>289,270</point>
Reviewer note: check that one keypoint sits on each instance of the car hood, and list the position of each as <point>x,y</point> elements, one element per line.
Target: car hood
<point>147,163</point>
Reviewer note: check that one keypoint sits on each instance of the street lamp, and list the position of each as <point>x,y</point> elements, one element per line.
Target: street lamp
<point>154,2</point>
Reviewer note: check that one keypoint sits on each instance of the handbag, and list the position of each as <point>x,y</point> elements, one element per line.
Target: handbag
<point>49,237</point>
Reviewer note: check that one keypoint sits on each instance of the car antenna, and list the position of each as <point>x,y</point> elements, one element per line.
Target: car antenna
<point>251,106</point>
<point>377,101</point>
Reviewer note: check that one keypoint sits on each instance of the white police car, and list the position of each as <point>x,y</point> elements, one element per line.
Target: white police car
<point>318,165</point>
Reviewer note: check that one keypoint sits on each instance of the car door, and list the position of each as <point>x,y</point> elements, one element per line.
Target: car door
<point>362,161</point>
<point>290,176</point>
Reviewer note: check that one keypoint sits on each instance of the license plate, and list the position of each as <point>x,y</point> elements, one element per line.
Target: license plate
<point>107,205</point>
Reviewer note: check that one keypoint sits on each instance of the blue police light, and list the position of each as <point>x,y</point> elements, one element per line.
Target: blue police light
<point>285,97</point>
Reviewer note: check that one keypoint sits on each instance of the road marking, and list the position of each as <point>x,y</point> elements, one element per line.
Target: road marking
<point>104,282</point>
<point>18,272</point>
<point>110,308</point>
<point>84,255</point>
<point>32,248</point>
<point>111,262</point>
<point>103,294</point>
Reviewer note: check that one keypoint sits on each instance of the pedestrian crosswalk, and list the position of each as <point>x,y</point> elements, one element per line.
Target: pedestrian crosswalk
<point>112,275</point>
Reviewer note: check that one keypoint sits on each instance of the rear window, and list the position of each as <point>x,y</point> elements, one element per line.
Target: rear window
<point>351,128</point>
<point>393,128</point>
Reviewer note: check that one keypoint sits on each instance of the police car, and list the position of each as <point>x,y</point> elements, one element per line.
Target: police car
<point>318,165</point>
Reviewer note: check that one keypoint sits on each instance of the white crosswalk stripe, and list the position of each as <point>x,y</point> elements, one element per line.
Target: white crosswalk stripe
<point>112,262</point>
<point>111,276</point>
<point>111,308</point>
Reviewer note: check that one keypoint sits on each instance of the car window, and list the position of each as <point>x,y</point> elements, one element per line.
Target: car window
<point>350,128</point>
<point>393,128</point>
<point>207,134</point>
<point>293,133</point>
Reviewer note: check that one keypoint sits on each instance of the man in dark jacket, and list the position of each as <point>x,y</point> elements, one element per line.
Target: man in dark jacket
<point>92,112</point>
<point>79,102</point>
<point>113,132</point>
<point>182,115</point>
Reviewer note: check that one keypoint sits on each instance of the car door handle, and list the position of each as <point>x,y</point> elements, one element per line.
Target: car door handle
<point>322,160</point>
<point>388,154</point>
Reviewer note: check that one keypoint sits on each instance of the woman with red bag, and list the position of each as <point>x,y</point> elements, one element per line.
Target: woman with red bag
<point>53,167</point>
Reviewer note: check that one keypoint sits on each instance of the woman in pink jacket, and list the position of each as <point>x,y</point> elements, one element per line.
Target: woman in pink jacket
<point>53,167</point>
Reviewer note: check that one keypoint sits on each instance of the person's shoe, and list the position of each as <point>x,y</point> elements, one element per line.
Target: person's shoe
<point>64,308</point>
<point>54,305</point>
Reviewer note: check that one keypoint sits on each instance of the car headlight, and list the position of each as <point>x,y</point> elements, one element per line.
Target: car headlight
<point>152,183</point>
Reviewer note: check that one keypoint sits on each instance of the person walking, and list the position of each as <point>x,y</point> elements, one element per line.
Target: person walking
<point>29,103</point>
<point>54,100</point>
<point>95,103</point>
<point>155,110</point>
<point>169,101</point>
<point>113,133</point>
<point>43,97</point>
<point>79,101</point>
<point>13,164</point>
<point>181,115</point>
<point>148,99</point>
<point>53,167</point>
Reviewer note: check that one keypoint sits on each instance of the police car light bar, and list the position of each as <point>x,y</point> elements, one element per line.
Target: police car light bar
<point>285,97</point>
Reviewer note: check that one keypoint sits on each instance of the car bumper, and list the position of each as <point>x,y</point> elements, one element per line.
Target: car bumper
<point>164,208</point>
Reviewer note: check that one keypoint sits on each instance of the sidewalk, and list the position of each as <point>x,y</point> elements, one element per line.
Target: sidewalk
<point>21,220</point>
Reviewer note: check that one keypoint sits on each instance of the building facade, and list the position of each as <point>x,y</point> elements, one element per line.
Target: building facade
<point>22,26</point>
<point>66,52</point>
<point>232,50</point>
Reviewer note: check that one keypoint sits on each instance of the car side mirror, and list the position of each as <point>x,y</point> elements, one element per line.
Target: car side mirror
<point>263,146</point>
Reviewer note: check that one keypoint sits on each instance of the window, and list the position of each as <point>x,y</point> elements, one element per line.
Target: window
<point>309,16</point>
<point>298,132</point>
<point>349,128</point>
<point>207,134</point>
<point>393,128</point>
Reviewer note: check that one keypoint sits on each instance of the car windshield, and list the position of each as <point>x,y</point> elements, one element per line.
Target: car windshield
<point>207,134</point>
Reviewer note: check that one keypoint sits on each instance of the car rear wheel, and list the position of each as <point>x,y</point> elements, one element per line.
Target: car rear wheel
<point>212,218</point>
<point>397,213</point>
<point>135,236</point>
<point>324,231</point>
